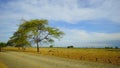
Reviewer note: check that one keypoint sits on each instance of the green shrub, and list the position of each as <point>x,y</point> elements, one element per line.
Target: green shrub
<point>70,46</point>
<point>108,47</point>
<point>51,46</point>
<point>116,47</point>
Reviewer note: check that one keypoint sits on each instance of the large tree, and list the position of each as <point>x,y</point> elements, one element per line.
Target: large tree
<point>39,31</point>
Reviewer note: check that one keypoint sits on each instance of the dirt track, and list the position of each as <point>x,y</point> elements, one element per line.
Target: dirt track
<point>23,60</point>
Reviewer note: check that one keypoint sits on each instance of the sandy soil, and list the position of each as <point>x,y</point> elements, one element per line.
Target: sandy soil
<point>25,60</point>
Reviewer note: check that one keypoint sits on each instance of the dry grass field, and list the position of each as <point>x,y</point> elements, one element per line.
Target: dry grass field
<point>111,56</point>
<point>2,65</point>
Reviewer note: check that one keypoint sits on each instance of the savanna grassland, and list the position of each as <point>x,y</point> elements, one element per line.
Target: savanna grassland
<point>111,56</point>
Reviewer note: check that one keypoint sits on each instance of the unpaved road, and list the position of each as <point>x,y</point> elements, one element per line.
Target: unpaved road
<point>25,60</point>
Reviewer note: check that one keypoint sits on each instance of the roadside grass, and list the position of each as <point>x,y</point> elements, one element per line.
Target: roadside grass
<point>2,65</point>
<point>111,56</point>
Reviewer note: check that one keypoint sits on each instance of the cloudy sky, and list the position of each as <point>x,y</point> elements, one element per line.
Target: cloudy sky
<point>86,23</point>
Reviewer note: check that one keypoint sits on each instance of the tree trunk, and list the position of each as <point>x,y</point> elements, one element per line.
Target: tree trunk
<point>0,49</point>
<point>37,47</point>
<point>18,48</point>
<point>23,48</point>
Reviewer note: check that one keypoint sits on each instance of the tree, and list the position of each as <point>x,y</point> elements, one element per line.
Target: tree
<point>39,31</point>
<point>116,47</point>
<point>70,46</point>
<point>2,44</point>
<point>108,47</point>
<point>51,46</point>
<point>18,40</point>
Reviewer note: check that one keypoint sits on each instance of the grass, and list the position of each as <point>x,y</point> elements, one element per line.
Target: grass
<point>2,65</point>
<point>97,55</point>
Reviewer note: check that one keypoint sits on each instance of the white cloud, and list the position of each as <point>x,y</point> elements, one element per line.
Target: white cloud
<point>66,10</point>
<point>110,10</point>
<point>82,35</point>
<point>84,38</point>
<point>70,11</point>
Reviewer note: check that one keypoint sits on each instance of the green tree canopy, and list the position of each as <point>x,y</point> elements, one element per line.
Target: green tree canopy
<point>2,44</point>
<point>39,31</point>
<point>18,39</point>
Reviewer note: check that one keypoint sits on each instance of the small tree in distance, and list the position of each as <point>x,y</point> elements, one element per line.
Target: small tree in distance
<point>108,47</point>
<point>116,47</point>
<point>70,46</point>
<point>51,46</point>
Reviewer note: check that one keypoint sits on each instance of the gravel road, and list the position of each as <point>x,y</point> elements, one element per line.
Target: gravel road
<point>25,60</point>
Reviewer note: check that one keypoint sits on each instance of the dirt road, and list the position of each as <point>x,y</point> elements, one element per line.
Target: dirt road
<point>25,60</point>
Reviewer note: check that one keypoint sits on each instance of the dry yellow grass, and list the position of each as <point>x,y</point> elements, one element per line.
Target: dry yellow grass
<point>2,65</point>
<point>98,55</point>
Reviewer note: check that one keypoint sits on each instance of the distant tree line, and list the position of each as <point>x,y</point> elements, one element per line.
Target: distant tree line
<point>116,47</point>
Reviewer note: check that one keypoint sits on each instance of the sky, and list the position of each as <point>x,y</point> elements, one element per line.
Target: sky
<point>86,23</point>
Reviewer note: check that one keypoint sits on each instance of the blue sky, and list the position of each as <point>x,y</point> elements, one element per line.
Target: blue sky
<point>86,23</point>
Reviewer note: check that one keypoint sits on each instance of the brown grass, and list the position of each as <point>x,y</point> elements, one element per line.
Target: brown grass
<point>2,65</point>
<point>97,55</point>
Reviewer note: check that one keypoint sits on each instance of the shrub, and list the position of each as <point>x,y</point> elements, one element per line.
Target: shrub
<point>108,47</point>
<point>70,46</point>
<point>51,46</point>
<point>2,44</point>
<point>116,47</point>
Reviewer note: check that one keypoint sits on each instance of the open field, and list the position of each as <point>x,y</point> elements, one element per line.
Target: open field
<point>111,56</point>
<point>2,65</point>
<point>14,59</point>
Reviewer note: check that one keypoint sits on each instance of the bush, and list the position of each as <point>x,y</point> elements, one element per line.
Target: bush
<point>116,47</point>
<point>51,46</point>
<point>108,47</point>
<point>70,46</point>
<point>2,44</point>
